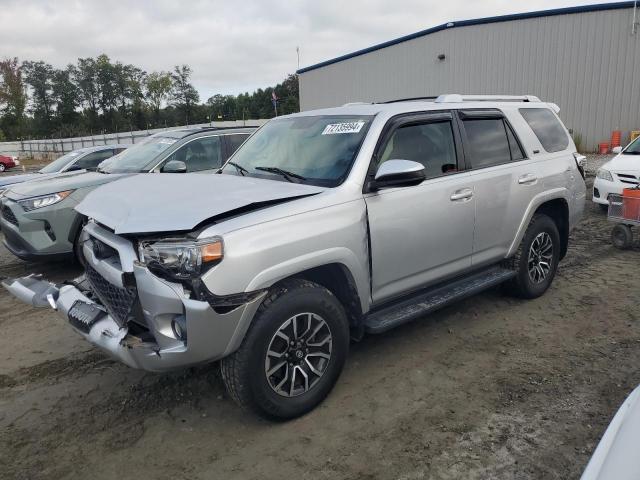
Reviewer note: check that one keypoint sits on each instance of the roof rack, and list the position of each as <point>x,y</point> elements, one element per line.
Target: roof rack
<point>411,99</point>
<point>457,98</point>
<point>351,104</point>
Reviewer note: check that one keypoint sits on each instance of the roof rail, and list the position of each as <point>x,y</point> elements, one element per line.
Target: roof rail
<point>351,104</point>
<point>457,98</point>
<point>411,99</point>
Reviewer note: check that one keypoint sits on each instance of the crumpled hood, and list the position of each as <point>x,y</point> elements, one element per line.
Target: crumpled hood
<point>178,202</point>
<point>23,177</point>
<point>624,163</point>
<point>60,183</point>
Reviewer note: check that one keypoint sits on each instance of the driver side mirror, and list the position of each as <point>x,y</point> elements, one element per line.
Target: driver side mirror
<point>616,150</point>
<point>398,173</point>
<point>74,168</point>
<point>174,166</point>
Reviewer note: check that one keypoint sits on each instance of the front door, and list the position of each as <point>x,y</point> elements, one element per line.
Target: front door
<point>421,234</point>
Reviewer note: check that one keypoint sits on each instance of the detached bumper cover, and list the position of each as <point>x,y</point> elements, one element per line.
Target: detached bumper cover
<point>210,335</point>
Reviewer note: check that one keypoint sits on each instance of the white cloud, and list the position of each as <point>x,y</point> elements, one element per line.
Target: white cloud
<point>231,46</point>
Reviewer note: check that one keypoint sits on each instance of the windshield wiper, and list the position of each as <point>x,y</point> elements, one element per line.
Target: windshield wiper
<point>243,171</point>
<point>285,173</point>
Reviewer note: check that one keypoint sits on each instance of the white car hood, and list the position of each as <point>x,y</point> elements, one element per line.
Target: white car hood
<point>623,163</point>
<point>179,202</point>
<point>616,457</point>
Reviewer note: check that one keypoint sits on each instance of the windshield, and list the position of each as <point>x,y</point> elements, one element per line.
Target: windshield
<point>59,163</point>
<point>137,157</point>
<point>318,150</point>
<point>634,148</point>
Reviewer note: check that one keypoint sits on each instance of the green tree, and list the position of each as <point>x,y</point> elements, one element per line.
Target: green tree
<point>158,88</point>
<point>13,98</point>
<point>39,76</point>
<point>66,96</point>
<point>85,78</point>
<point>183,94</point>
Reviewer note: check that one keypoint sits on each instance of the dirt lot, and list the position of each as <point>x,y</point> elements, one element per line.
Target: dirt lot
<point>489,388</point>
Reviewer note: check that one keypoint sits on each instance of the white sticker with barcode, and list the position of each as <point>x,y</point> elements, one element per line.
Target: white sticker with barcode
<point>345,127</point>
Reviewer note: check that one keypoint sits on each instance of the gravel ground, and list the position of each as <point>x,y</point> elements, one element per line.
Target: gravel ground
<point>491,387</point>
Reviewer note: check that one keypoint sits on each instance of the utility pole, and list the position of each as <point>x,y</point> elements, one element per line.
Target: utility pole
<point>298,53</point>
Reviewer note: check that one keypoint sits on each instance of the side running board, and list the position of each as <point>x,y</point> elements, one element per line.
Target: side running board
<point>417,306</point>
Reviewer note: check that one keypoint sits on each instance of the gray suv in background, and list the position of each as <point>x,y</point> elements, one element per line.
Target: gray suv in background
<point>87,158</point>
<point>325,225</point>
<point>38,218</point>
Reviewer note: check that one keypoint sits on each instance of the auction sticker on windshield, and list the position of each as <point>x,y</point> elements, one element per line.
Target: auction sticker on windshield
<point>345,127</point>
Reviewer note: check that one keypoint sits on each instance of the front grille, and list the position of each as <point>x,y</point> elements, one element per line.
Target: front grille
<point>627,178</point>
<point>119,302</point>
<point>8,215</point>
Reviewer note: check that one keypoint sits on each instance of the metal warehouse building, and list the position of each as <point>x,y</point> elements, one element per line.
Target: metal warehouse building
<point>586,59</point>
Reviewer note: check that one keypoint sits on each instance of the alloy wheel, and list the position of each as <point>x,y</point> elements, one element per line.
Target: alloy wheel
<point>540,259</point>
<point>298,354</point>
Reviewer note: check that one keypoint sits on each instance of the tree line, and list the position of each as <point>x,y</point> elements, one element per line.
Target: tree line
<point>97,95</point>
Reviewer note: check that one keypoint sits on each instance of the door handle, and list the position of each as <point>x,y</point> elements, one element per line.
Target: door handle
<point>527,179</point>
<point>460,195</point>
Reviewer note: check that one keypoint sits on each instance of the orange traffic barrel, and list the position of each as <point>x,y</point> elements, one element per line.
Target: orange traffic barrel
<point>631,204</point>
<point>603,148</point>
<point>616,138</point>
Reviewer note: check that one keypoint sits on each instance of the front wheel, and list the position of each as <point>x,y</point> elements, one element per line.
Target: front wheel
<point>3,167</point>
<point>293,353</point>
<point>536,260</point>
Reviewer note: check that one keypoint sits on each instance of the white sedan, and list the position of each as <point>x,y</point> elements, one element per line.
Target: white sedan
<point>622,171</point>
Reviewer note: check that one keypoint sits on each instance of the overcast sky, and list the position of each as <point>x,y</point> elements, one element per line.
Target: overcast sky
<point>232,46</point>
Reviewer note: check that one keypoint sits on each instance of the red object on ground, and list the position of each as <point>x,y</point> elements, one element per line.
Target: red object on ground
<point>616,138</point>
<point>631,203</point>
<point>603,148</point>
<point>7,163</point>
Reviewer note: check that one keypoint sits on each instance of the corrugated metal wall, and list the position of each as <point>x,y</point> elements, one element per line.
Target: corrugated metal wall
<point>588,63</point>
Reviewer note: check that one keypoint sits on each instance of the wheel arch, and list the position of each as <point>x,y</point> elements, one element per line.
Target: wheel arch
<point>554,204</point>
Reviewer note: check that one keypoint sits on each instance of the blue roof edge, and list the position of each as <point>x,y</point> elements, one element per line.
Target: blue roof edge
<point>477,21</point>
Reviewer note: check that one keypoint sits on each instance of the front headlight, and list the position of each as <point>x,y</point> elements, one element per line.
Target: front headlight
<point>604,174</point>
<point>181,259</point>
<point>43,200</point>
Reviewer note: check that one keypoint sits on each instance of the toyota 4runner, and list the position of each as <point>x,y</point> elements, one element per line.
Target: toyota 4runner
<point>325,225</point>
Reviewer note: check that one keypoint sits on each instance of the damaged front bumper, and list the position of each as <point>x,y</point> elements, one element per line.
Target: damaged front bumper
<point>151,342</point>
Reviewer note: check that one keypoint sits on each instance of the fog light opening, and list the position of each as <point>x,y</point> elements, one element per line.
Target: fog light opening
<point>179,327</point>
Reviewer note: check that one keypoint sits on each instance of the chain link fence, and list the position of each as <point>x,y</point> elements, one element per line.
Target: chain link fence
<point>47,149</point>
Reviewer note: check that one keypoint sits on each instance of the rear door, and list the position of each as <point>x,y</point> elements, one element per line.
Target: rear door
<point>504,180</point>
<point>420,234</point>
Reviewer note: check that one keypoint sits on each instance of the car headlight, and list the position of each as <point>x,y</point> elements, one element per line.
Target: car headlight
<point>44,200</point>
<point>604,174</point>
<point>181,259</point>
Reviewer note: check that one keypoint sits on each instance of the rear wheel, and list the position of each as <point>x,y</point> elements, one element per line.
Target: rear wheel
<point>3,167</point>
<point>537,259</point>
<point>604,207</point>
<point>293,353</point>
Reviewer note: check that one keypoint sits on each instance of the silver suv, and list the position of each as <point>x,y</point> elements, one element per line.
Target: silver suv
<point>325,225</point>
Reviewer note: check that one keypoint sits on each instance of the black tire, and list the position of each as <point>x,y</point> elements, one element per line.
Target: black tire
<point>245,371</point>
<point>604,207</point>
<point>3,167</point>
<point>523,285</point>
<point>622,236</point>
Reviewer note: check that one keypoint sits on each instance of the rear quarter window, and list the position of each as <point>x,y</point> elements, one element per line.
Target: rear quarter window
<point>547,128</point>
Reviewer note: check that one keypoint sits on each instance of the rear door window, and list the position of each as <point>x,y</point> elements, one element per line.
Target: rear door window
<point>487,142</point>
<point>92,160</point>
<point>547,128</point>
<point>234,141</point>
